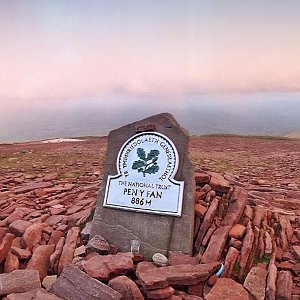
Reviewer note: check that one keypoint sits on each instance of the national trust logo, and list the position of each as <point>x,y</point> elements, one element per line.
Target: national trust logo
<point>147,164</point>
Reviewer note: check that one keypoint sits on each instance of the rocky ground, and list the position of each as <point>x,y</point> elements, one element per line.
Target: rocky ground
<point>247,218</point>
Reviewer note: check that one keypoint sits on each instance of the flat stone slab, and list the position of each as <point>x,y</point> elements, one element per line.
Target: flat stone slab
<point>157,233</point>
<point>216,245</point>
<point>255,282</point>
<point>18,227</point>
<point>97,244</point>
<point>284,285</point>
<point>36,294</point>
<point>157,278</point>
<point>226,288</point>
<point>78,285</point>
<point>19,281</point>
<point>218,183</point>
<point>126,287</point>
<point>236,207</point>
<point>103,266</point>
<point>32,186</point>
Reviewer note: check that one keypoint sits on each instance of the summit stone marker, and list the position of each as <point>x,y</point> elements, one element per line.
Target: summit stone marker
<point>147,192</point>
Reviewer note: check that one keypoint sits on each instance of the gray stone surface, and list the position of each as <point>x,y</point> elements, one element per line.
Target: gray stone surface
<point>157,233</point>
<point>73,284</point>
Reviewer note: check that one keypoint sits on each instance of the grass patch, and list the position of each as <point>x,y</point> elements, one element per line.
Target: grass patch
<point>264,260</point>
<point>71,175</point>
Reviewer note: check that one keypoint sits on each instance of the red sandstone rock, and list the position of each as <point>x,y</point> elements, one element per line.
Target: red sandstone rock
<point>69,248</point>
<point>286,266</point>
<point>98,244</point>
<point>196,290</point>
<point>19,281</point>
<point>200,210</point>
<point>103,267</point>
<point>17,242</point>
<point>259,214</point>
<point>183,295</point>
<point>54,220</point>
<point>255,283</point>
<point>79,251</point>
<point>126,287</point>
<point>218,183</point>
<point>201,177</point>
<point>11,263</point>
<point>246,248</point>
<point>206,223</point>
<point>271,283</point>
<point>3,232</point>
<point>5,246</point>
<point>56,235</point>
<point>296,269</point>
<point>36,294</point>
<point>237,231</point>
<point>261,245</point>
<point>32,235</point>
<point>86,231</point>
<point>283,233</point>
<point>21,253</point>
<point>284,285</point>
<point>268,244</point>
<point>254,250</point>
<point>74,219</point>
<point>32,186</point>
<point>174,275</point>
<point>54,258</point>
<point>226,288</point>
<point>236,207</point>
<point>288,229</point>
<point>208,234</point>
<point>40,260</point>
<point>216,245</point>
<point>164,293</point>
<point>18,214</point>
<point>78,285</point>
<point>212,280</point>
<point>206,188</point>
<point>235,243</point>
<point>146,266</point>
<point>48,281</point>
<point>230,261</point>
<point>210,196</point>
<point>296,250</point>
<point>18,227</point>
<point>199,195</point>
<point>177,258</point>
<point>248,212</point>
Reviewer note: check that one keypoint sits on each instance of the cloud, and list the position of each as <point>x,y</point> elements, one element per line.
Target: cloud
<point>51,52</point>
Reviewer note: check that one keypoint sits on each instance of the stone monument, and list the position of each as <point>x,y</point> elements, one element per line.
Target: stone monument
<point>147,192</point>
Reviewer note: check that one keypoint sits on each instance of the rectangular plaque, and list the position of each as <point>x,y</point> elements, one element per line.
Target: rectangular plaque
<point>146,164</point>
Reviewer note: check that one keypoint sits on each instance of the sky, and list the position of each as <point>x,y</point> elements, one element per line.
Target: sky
<point>62,61</point>
<point>72,49</point>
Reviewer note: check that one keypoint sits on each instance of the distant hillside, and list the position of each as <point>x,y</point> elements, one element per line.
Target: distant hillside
<point>294,135</point>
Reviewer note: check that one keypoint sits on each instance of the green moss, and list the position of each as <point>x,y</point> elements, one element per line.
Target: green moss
<point>236,269</point>
<point>264,260</point>
<point>81,226</point>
